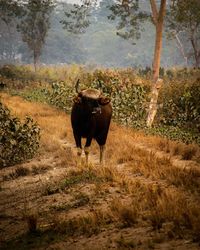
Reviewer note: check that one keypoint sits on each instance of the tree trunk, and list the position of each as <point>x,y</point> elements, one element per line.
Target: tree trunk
<point>158,19</point>
<point>35,59</point>
<point>196,53</point>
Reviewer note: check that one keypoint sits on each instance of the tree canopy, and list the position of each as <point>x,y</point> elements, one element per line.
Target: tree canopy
<point>184,23</point>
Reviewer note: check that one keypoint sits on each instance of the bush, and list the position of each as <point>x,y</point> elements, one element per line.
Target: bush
<point>180,104</point>
<point>61,95</point>
<point>17,72</point>
<point>178,115</point>
<point>128,101</point>
<point>34,95</point>
<point>18,141</point>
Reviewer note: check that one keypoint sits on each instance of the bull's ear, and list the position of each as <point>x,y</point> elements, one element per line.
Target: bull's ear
<point>77,99</point>
<point>104,100</point>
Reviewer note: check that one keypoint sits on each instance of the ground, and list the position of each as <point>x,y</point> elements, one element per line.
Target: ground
<point>146,196</point>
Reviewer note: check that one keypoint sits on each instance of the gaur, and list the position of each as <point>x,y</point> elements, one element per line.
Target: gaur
<point>90,119</point>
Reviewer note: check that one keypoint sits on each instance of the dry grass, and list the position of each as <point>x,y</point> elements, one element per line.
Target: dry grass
<point>172,206</point>
<point>19,171</point>
<point>32,220</point>
<point>127,214</point>
<point>185,152</point>
<point>135,187</point>
<point>90,223</point>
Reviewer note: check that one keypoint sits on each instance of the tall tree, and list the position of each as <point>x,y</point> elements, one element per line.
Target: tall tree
<point>184,19</point>
<point>130,18</point>
<point>158,20</point>
<point>35,25</point>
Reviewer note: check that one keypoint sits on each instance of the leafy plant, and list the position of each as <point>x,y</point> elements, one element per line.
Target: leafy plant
<point>61,96</point>
<point>180,104</point>
<point>128,100</point>
<point>18,141</point>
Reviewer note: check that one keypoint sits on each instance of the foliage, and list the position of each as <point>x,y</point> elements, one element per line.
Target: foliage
<point>180,104</point>
<point>35,95</point>
<point>98,46</point>
<point>129,17</point>
<point>17,72</point>
<point>18,141</point>
<point>184,21</point>
<point>175,133</point>
<point>77,18</point>
<point>9,9</point>
<point>128,99</point>
<point>61,96</point>
<point>129,105</point>
<point>178,115</point>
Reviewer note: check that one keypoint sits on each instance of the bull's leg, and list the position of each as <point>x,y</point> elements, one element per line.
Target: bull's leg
<point>79,147</point>
<point>102,149</point>
<point>87,148</point>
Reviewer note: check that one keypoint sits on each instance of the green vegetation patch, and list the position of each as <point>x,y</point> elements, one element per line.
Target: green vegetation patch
<point>178,115</point>
<point>18,141</point>
<point>176,133</point>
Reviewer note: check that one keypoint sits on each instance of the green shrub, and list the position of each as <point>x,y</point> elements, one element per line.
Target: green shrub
<point>18,141</point>
<point>17,72</point>
<point>175,133</point>
<point>128,101</point>
<point>180,104</point>
<point>61,96</point>
<point>35,95</point>
<point>129,105</point>
<point>178,115</point>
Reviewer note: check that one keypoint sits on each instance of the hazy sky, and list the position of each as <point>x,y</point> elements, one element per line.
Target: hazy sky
<point>70,1</point>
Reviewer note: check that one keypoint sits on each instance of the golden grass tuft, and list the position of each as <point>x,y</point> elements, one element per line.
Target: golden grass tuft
<point>171,205</point>
<point>126,214</point>
<point>90,223</point>
<point>185,152</point>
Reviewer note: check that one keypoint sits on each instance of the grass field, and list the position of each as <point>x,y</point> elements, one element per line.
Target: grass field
<point>146,196</point>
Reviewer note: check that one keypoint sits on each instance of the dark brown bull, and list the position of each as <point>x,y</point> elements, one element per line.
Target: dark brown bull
<point>90,118</point>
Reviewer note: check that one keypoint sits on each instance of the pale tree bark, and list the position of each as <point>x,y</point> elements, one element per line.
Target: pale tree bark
<point>181,48</point>
<point>158,19</point>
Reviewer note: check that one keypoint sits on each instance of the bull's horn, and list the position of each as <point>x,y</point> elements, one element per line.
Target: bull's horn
<point>77,86</point>
<point>100,84</point>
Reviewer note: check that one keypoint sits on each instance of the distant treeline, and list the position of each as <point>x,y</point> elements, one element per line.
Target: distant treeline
<point>99,45</point>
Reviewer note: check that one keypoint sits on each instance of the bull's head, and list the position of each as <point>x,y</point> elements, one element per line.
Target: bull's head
<point>91,99</point>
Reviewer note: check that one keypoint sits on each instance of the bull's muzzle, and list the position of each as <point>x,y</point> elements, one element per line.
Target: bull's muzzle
<point>96,110</point>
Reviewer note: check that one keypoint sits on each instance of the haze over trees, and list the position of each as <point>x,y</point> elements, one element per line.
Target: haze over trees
<point>99,45</point>
<point>9,37</point>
